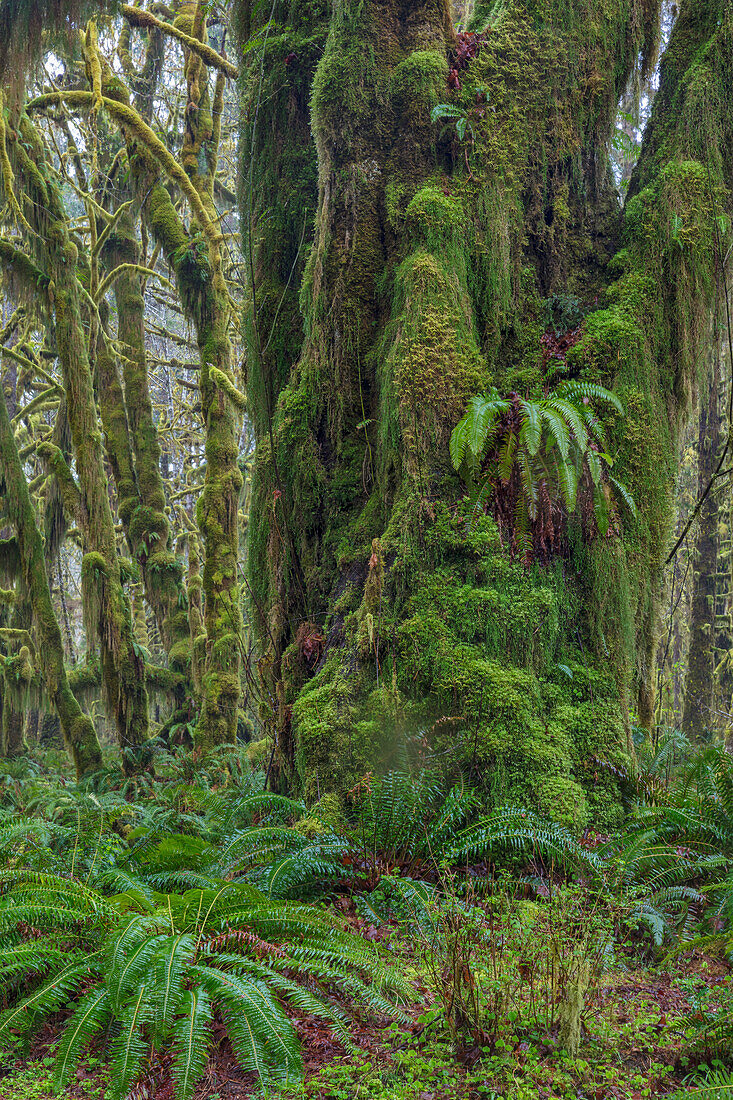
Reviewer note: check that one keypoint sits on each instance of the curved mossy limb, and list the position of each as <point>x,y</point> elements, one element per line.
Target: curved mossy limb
<point>80,737</point>
<point>431,276</point>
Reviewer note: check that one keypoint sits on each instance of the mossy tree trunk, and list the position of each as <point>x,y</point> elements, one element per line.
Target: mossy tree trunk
<point>133,441</point>
<point>80,737</point>
<point>196,260</point>
<point>698,714</point>
<point>108,610</point>
<point>436,266</point>
<point>11,717</point>
<point>146,524</point>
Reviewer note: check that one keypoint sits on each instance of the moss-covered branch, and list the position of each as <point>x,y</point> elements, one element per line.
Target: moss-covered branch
<point>139,17</point>
<point>80,737</point>
<point>140,132</point>
<point>106,608</point>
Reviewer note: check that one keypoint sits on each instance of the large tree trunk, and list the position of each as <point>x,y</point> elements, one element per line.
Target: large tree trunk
<point>433,269</point>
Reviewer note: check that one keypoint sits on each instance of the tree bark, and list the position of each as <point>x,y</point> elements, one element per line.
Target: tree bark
<point>698,715</point>
<point>432,268</point>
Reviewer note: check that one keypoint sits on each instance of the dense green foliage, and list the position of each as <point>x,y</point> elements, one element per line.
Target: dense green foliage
<point>166,911</point>
<point>388,780</point>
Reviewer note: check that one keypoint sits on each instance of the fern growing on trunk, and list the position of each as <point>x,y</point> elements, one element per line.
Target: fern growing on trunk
<point>539,457</point>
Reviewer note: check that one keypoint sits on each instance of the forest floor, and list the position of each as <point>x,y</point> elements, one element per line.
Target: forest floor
<point>636,1044</point>
<point>582,988</point>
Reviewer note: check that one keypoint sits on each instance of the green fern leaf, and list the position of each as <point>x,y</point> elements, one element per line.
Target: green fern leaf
<point>445,110</point>
<point>572,418</point>
<point>130,966</point>
<point>481,414</point>
<point>92,1012</point>
<point>625,495</point>
<point>530,433</point>
<point>261,1034</point>
<point>49,997</point>
<point>191,1042</point>
<point>129,1048</point>
<point>576,389</point>
<point>558,431</point>
<point>568,479</point>
<point>167,975</point>
<point>529,484</point>
<point>459,443</point>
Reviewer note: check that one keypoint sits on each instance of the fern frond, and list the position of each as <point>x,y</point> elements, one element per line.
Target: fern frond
<point>459,443</point>
<point>529,484</point>
<point>557,429</point>
<point>167,973</point>
<point>129,1048</point>
<point>55,992</point>
<point>576,390</point>
<point>261,1034</point>
<point>567,410</point>
<point>191,1042</point>
<point>530,433</point>
<point>625,495</point>
<point>131,954</point>
<point>568,480</point>
<point>92,1012</point>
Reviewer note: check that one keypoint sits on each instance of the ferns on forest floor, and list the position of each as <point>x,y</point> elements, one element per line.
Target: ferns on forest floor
<point>197,902</point>
<point>157,967</point>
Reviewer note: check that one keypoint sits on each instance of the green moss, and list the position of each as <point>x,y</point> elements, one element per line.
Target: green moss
<point>432,266</point>
<point>564,801</point>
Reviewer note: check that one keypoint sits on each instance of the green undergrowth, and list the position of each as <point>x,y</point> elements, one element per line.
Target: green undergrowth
<point>414,941</point>
<point>34,1079</point>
